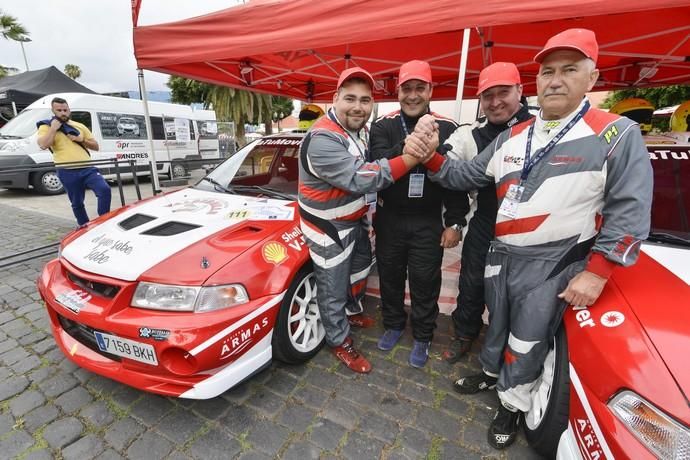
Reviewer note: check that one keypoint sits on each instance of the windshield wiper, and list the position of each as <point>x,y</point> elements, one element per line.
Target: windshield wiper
<point>264,190</point>
<point>217,185</point>
<point>661,237</point>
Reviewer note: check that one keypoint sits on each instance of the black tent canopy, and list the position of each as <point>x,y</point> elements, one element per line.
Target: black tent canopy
<point>26,87</point>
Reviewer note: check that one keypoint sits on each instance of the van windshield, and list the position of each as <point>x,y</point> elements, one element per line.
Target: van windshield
<point>24,124</point>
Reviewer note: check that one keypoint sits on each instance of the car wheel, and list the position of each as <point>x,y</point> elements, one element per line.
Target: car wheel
<point>548,417</point>
<point>299,332</point>
<point>177,170</point>
<point>47,183</point>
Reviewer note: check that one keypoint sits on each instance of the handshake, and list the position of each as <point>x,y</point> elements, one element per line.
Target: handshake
<point>423,142</point>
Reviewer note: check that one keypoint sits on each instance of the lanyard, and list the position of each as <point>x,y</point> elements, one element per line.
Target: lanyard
<point>362,153</point>
<point>406,133</point>
<point>531,162</point>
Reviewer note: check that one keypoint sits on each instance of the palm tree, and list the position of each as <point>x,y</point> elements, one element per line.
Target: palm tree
<point>239,106</point>
<point>230,104</point>
<point>72,71</point>
<point>10,29</point>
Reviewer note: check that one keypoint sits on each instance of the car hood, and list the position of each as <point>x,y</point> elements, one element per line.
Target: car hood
<point>133,242</point>
<point>658,293</point>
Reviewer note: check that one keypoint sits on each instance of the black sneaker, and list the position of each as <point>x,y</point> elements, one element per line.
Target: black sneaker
<point>457,348</point>
<point>504,428</point>
<point>475,384</point>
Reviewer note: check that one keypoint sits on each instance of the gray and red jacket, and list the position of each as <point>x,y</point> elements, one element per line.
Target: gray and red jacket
<point>334,177</point>
<point>592,190</point>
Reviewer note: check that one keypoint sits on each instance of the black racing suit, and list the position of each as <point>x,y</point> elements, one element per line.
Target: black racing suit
<point>408,231</point>
<point>466,143</point>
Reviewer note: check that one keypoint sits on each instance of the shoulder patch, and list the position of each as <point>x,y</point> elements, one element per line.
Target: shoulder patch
<point>441,117</point>
<point>520,127</point>
<point>393,114</point>
<point>599,120</point>
<point>325,123</point>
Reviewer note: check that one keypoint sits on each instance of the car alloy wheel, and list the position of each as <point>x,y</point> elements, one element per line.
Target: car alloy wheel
<point>306,330</point>
<point>547,419</point>
<point>299,333</point>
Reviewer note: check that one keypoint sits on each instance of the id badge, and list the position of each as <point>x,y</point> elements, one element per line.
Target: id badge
<point>370,198</point>
<point>416,189</point>
<point>509,205</point>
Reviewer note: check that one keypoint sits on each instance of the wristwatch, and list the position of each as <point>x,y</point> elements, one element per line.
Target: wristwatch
<point>455,227</point>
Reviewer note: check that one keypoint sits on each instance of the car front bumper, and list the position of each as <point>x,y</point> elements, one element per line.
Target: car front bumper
<point>201,355</point>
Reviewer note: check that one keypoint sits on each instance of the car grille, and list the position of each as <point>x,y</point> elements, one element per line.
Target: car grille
<point>93,287</point>
<point>84,335</point>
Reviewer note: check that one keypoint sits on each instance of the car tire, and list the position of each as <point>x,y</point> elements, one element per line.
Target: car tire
<point>47,183</point>
<point>177,170</point>
<point>299,334</point>
<point>548,419</point>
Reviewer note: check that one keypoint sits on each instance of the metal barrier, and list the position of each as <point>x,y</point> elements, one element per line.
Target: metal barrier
<point>48,250</point>
<point>118,168</point>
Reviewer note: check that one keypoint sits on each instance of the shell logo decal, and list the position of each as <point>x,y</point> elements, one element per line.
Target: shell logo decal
<point>274,252</point>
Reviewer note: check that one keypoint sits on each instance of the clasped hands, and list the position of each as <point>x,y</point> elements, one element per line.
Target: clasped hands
<point>423,142</point>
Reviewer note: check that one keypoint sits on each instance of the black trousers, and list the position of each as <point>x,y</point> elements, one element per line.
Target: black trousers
<point>409,245</point>
<point>467,316</point>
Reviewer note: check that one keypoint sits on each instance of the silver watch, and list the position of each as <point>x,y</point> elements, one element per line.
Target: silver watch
<point>455,227</point>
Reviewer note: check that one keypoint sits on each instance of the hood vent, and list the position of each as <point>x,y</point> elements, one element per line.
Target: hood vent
<point>135,221</point>
<point>170,228</point>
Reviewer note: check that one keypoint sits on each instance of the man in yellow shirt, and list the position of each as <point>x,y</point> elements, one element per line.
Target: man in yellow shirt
<point>69,142</point>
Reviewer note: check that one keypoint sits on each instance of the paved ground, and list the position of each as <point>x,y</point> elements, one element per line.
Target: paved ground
<point>49,408</point>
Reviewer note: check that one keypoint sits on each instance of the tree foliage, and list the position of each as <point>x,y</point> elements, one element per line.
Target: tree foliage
<point>230,104</point>
<point>72,71</point>
<point>11,29</point>
<point>663,96</point>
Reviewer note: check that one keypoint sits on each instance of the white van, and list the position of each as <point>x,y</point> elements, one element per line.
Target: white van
<point>206,129</point>
<point>119,127</point>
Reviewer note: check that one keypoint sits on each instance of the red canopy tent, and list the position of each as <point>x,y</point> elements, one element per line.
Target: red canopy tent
<point>297,48</point>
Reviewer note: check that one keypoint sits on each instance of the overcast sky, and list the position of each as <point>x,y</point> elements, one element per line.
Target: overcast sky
<point>96,35</point>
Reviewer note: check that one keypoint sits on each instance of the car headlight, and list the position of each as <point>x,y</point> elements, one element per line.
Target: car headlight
<point>188,298</point>
<point>662,435</point>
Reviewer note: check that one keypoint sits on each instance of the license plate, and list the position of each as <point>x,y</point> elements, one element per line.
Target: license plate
<point>126,348</point>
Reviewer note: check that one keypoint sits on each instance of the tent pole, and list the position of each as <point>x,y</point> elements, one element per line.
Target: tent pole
<point>149,130</point>
<point>461,73</point>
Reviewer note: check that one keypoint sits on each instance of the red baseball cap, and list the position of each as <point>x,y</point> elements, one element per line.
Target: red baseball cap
<point>582,40</point>
<point>355,72</point>
<point>415,70</point>
<point>498,74</point>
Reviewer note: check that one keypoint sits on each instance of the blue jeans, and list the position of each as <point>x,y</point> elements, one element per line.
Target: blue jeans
<point>76,181</point>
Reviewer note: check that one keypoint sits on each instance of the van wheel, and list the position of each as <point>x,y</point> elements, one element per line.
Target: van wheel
<point>177,170</point>
<point>548,419</point>
<point>47,183</point>
<point>299,333</point>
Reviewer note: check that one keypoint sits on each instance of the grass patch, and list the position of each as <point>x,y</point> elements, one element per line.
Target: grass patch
<point>435,450</point>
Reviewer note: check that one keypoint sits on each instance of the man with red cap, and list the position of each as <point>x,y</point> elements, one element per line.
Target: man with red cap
<point>412,228</point>
<point>500,95</point>
<point>575,191</point>
<point>336,187</point>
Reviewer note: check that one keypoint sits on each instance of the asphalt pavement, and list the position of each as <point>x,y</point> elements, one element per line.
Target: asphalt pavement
<point>50,408</point>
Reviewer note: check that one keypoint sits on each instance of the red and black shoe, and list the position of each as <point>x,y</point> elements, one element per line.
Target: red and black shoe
<point>361,320</point>
<point>347,353</point>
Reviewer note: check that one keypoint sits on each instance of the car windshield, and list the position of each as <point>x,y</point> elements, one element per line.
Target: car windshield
<point>24,124</point>
<point>265,166</point>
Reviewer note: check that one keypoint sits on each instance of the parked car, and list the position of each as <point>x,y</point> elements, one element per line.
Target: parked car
<point>189,293</point>
<point>126,125</point>
<point>616,383</point>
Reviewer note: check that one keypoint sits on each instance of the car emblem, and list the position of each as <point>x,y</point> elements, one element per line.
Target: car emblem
<point>204,262</point>
<point>612,319</point>
<point>274,252</point>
